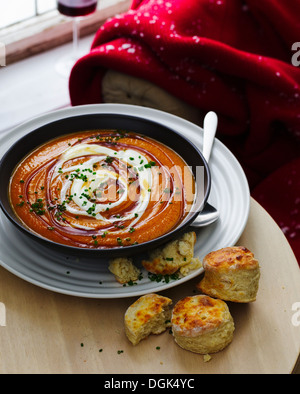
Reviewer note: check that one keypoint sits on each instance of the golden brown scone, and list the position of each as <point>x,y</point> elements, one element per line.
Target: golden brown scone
<point>173,256</point>
<point>124,270</point>
<point>202,324</point>
<point>150,314</point>
<point>231,274</point>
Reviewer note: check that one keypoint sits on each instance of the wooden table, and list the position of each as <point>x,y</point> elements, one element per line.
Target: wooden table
<point>50,333</point>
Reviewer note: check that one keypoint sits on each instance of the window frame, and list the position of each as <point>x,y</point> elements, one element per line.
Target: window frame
<point>51,29</point>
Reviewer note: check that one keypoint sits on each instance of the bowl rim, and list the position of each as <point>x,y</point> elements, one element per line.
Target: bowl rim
<point>115,251</point>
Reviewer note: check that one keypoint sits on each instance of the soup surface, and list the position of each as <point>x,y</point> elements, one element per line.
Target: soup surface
<point>102,189</point>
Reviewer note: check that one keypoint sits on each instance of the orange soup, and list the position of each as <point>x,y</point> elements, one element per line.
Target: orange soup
<point>102,189</point>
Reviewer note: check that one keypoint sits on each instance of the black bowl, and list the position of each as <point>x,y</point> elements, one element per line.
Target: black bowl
<point>159,132</point>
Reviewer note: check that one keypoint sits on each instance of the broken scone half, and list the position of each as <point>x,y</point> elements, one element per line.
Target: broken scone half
<point>150,314</point>
<point>176,255</point>
<point>124,270</point>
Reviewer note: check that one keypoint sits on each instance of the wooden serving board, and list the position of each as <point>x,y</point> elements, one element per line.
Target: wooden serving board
<point>51,333</point>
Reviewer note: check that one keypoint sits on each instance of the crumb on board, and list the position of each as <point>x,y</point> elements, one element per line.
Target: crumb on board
<point>206,358</point>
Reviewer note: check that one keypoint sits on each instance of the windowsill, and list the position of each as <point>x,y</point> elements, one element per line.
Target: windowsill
<point>53,29</point>
<point>32,87</point>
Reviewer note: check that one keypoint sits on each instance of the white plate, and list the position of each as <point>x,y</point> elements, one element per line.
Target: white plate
<point>80,277</point>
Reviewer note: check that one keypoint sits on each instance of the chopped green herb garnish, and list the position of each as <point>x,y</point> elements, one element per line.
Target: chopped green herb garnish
<point>109,159</point>
<point>38,207</point>
<point>162,278</point>
<point>150,164</point>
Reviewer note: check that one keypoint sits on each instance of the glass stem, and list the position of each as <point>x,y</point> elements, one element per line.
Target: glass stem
<point>75,37</point>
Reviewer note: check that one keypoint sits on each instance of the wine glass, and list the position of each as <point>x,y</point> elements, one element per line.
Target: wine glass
<point>76,9</point>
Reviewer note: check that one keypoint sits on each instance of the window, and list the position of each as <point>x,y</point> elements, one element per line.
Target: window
<point>28,27</point>
<point>15,11</point>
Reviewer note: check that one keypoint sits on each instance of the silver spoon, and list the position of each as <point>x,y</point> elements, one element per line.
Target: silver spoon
<point>209,214</point>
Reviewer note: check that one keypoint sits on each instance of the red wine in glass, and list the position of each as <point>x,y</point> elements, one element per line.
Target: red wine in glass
<point>76,9</point>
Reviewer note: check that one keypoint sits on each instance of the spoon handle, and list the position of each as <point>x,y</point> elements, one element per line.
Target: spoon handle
<point>209,214</point>
<point>210,127</point>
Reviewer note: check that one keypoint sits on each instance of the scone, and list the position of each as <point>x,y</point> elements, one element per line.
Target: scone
<point>231,274</point>
<point>194,264</point>
<point>202,324</point>
<point>150,314</point>
<point>124,270</point>
<point>173,256</point>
